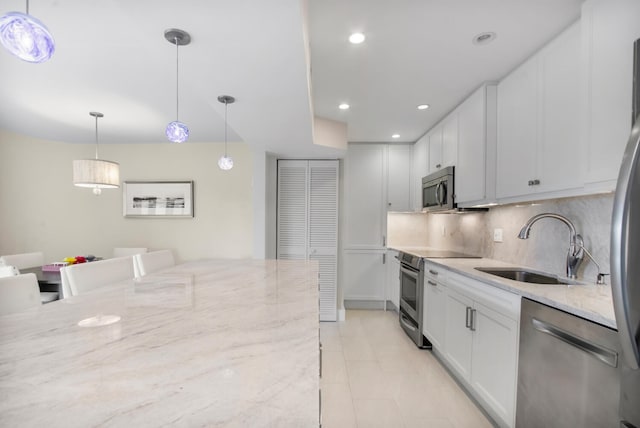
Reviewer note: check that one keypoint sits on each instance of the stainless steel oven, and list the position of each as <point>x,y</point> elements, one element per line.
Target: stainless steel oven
<point>411,298</point>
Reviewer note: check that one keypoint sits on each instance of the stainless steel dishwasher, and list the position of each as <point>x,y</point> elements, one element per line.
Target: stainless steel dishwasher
<point>568,371</point>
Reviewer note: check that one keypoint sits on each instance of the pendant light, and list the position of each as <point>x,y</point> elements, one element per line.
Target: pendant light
<point>26,37</point>
<point>96,173</point>
<point>177,132</point>
<point>225,162</point>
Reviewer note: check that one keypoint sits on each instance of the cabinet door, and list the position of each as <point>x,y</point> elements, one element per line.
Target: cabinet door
<point>450,140</point>
<point>517,131</point>
<point>365,198</point>
<point>609,30</point>
<point>293,210</point>
<point>399,180</point>
<point>435,149</point>
<point>560,154</point>
<point>420,169</point>
<point>458,336</point>
<point>435,313</point>
<point>494,363</point>
<point>393,278</point>
<point>470,167</point>
<point>364,275</point>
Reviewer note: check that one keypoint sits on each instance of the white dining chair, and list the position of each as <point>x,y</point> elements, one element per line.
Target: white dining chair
<point>23,260</point>
<point>45,296</point>
<point>147,263</point>
<point>84,277</point>
<point>128,251</point>
<point>19,293</point>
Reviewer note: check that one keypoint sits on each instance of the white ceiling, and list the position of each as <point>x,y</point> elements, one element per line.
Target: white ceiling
<point>111,56</point>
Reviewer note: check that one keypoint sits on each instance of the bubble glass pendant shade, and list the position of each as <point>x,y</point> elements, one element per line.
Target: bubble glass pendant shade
<point>26,37</point>
<point>177,132</point>
<point>225,163</point>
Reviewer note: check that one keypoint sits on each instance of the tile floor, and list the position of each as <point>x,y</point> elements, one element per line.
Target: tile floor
<point>373,376</point>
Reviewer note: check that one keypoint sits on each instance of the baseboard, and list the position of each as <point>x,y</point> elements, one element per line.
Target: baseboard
<point>342,313</point>
<point>364,304</point>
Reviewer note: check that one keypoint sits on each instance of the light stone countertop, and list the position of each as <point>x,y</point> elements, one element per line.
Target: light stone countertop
<point>207,343</point>
<point>587,300</point>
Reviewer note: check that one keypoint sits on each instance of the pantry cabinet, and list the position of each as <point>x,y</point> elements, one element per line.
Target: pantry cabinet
<point>393,279</point>
<point>538,148</point>
<point>376,180</point>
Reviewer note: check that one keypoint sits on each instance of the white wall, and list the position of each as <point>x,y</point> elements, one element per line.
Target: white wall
<point>41,210</point>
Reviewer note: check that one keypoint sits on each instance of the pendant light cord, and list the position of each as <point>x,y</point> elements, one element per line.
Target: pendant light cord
<point>27,7</point>
<point>177,80</point>
<point>225,128</point>
<point>96,137</point>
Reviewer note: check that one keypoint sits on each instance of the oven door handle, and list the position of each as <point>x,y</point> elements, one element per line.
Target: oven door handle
<point>405,323</point>
<point>409,272</point>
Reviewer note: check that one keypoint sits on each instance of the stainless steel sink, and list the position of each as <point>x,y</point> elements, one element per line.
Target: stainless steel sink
<point>522,275</point>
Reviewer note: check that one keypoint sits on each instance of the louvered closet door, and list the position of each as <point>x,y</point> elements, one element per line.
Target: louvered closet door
<point>323,232</point>
<point>308,222</point>
<point>292,210</point>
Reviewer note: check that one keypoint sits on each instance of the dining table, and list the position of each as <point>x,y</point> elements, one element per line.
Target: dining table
<point>220,343</point>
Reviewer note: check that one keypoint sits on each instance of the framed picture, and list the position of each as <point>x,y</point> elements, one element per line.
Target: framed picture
<point>157,199</point>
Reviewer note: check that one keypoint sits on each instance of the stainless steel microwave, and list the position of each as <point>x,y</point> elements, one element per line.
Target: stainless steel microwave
<point>438,190</point>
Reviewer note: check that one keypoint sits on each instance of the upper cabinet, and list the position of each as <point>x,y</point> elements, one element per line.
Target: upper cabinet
<point>538,145</point>
<point>609,29</point>
<point>475,166</point>
<point>420,168</point>
<point>399,178</point>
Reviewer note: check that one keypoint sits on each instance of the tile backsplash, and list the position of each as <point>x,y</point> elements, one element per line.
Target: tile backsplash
<point>548,242</point>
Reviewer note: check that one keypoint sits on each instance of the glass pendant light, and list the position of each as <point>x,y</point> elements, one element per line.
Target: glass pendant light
<point>177,132</point>
<point>96,173</point>
<point>225,162</point>
<point>26,37</point>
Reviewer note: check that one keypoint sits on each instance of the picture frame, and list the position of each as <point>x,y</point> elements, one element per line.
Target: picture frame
<point>157,199</point>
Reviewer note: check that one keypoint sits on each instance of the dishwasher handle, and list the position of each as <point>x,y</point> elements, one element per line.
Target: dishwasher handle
<point>602,354</point>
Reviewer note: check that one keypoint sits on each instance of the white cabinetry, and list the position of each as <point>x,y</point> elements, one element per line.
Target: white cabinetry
<point>476,156</point>
<point>420,168</point>
<point>538,122</point>
<point>609,29</point>
<point>481,343</point>
<point>434,305</point>
<point>376,175</point>
<point>443,144</point>
<point>393,278</point>
<point>399,178</point>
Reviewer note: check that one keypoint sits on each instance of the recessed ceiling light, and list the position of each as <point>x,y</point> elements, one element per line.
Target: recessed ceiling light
<point>484,38</point>
<point>423,106</point>
<point>356,38</point>
<point>395,136</point>
<point>344,106</point>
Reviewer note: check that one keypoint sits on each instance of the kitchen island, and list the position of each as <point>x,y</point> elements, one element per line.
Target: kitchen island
<point>206,343</point>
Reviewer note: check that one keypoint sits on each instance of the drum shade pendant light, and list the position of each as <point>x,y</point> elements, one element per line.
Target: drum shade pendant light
<point>225,162</point>
<point>177,132</point>
<point>26,37</point>
<point>96,173</point>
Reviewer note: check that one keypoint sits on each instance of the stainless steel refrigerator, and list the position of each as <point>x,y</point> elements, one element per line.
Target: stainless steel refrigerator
<point>625,262</point>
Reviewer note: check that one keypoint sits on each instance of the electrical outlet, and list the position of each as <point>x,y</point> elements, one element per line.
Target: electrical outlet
<point>497,235</point>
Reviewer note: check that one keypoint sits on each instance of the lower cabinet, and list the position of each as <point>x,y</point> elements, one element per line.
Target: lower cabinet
<point>393,278</point>
<point>475,329</point>
<point>364,276</point>
<point>435,300</point>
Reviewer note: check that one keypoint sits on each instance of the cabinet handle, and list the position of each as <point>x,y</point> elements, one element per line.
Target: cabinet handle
<point>467,321</point>
<point>431,283</point>
<point>534,182</point>
<point>472,327</point>
<point>384,241</point>
<point>433,272</point>
<point>384,258</point>
<point>438,165</point>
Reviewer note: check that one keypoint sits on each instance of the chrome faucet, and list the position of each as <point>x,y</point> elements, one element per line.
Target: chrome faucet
<point>576,245</point>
